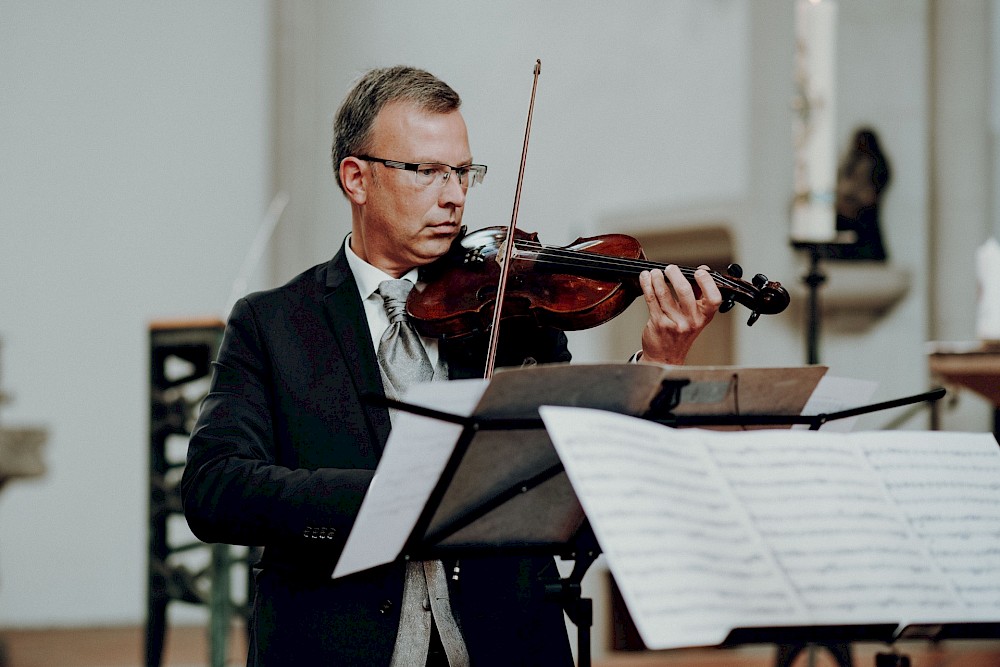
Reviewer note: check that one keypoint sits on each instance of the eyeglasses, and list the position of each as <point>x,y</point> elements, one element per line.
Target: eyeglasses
<point>435,173</point>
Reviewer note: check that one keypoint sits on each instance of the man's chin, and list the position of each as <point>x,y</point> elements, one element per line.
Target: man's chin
<point>432,251</point>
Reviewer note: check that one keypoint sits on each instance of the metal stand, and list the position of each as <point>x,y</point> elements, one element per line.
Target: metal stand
<point>814,279</point>
<point>568,592</point>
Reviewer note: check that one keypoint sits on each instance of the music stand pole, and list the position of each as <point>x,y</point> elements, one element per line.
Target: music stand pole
<point>813,280</point>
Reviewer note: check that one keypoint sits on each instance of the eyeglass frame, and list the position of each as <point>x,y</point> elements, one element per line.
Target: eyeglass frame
<point>469,169</point>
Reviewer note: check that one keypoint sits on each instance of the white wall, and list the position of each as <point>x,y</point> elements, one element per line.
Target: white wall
<point>135,169</point>
<point>994,13</point>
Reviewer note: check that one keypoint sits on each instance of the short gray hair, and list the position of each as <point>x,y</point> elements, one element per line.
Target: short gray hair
<point>352,127</point>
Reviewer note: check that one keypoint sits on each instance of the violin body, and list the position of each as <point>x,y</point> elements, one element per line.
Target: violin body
<point>572,287</point>
<point>461,300</point>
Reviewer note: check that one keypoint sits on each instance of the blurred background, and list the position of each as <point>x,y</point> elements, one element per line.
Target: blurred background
<point>143,143</point>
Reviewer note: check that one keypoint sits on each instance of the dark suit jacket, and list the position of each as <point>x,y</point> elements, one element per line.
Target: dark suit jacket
<point>281,456</point>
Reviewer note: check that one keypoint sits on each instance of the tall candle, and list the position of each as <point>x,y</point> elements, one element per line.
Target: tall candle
<point>813,213</point>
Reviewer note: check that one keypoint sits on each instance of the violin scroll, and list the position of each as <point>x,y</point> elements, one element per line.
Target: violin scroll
<point>761,295</point>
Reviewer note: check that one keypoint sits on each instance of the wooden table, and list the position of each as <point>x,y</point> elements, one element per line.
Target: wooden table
<point>974,366</point>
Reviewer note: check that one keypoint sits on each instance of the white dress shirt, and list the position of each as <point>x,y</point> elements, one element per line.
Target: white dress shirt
<point>368,279</point>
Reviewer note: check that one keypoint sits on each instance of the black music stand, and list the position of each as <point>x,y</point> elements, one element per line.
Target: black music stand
<point>503,489</point>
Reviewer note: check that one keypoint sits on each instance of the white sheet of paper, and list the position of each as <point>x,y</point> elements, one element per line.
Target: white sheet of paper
<point>838,537</point>
<point>948,487</point>
<point>833,394</point>
<point>688,563</point>
<point>414,458</point>
<point>708,531</point>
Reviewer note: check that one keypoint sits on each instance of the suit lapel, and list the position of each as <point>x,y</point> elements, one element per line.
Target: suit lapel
<point>346,316</point>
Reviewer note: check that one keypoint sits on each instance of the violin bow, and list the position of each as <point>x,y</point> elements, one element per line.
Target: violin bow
<point>506,255</point>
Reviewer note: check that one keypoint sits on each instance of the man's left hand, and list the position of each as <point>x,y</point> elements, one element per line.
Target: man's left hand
<point>677,314</point>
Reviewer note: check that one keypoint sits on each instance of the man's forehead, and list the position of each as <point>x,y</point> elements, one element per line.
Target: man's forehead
<point>405,124</point>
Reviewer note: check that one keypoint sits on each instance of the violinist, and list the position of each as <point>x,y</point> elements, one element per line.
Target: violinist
<point>284,447</point>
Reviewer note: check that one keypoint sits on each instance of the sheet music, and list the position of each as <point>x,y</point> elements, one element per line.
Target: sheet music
<point>834,532</point>
<point>948,487</point>
<point>415,456</point>
<point>708,531</point>
<point>688,564</point>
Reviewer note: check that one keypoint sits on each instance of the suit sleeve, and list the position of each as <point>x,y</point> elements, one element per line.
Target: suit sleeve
<point>232,490</point>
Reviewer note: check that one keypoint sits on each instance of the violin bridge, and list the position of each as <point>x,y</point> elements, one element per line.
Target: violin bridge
<point>502,253</point>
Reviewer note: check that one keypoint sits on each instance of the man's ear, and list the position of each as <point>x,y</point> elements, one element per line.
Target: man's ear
<point>354,177</point>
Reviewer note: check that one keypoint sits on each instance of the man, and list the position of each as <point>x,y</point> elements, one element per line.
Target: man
<point>284,448</point>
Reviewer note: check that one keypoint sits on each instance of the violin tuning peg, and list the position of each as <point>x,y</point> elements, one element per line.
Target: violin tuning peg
<point>753,318</point>
<point>473,256</point>
<point>735,270</point>
<point>727,305</point>
<point>759,280</point>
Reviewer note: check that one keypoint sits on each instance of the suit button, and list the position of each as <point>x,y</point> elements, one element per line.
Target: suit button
<point>386,607</point>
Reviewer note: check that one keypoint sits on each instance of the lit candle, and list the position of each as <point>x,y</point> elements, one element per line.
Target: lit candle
<point>813,214</point>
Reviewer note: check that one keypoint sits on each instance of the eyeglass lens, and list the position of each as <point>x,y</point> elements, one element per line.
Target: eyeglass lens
<point>439,174</point>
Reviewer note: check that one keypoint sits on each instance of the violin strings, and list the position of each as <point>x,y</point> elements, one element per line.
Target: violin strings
<point>564,257</point>
<point>571,257</point>
<point>595,260</point>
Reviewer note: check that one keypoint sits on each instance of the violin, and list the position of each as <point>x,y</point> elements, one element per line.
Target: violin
<point>573,287</point>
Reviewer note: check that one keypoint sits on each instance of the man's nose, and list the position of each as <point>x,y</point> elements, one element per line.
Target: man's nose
<point>453,192</point>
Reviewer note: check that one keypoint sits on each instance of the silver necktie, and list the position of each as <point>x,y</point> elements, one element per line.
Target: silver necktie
<point>401,355</point>
<point>403,362</point>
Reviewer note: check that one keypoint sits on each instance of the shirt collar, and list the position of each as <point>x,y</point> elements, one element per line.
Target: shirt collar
<point>369,277</point>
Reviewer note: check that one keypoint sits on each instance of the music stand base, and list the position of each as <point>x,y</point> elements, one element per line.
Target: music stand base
<point>580,610</point>
<point>841,652</point>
